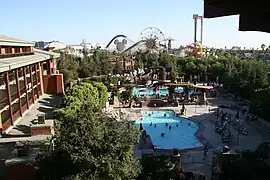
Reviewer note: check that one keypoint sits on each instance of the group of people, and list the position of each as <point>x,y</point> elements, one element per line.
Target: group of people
<point>170,127</point>
<point>152,124</point>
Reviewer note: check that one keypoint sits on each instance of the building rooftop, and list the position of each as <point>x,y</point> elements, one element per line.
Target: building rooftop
<point>8,64</point>
<point>55,45</point>
<point>9,41</point>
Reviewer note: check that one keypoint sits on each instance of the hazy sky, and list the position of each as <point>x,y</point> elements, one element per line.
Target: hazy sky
<point>70,21</point>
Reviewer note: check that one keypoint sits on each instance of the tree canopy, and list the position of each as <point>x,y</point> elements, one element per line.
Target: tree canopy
<point>88,144</point>
<point>240,75</point>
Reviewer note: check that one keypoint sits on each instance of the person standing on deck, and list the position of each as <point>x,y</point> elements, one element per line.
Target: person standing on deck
<point>205,151</point>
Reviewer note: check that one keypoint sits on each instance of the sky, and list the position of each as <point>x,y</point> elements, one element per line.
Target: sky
<point>98,21</point>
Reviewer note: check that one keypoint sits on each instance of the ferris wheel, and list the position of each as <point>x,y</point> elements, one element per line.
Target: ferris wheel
<point>153,38</point>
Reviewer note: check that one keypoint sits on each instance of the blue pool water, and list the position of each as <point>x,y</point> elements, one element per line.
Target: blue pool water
<point>181,137</point>
<point>150,91</point>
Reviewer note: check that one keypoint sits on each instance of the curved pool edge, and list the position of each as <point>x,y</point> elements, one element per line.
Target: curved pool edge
<point>198,134</point>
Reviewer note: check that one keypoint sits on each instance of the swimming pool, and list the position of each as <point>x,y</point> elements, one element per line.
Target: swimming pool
<point>150,91</point>
<point>181,137</point>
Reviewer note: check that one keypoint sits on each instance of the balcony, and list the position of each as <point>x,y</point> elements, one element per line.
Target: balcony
<point>10,55</point>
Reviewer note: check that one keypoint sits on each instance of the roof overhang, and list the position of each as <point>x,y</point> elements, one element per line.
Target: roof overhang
<point>9,41</point>
<point>253,15</point>
<point>220,8</point>
<point>8,64</point>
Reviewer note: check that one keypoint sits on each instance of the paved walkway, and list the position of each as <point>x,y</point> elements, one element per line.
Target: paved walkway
<point>192,160</point>
<point>45,105</point>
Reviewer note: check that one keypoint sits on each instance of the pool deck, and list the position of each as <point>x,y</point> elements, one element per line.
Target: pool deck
<point>201,115</point>
<point>192,159</point>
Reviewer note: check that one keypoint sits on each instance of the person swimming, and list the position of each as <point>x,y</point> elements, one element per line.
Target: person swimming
<point>177,125</point>
<point>162,134</point>
<point>170,127</point>
<point>166,124</point>
<point>188,124</point>
<point>155,125</point>
<point>151,124</point>
<point>165,114</point>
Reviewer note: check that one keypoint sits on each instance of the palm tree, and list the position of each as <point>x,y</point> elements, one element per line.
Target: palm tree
<point>263,46</point>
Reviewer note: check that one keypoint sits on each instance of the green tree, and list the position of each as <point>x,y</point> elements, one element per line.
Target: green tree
<point>84,92</point>
<point>159,168</point>
<point>69,66</point>
<point>102,91</point>
<point>263,46</point>
<point>94,146</point>
<point>249,166</point>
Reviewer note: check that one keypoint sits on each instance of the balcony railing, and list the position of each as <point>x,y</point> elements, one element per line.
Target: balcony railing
<point>14,96</point>
<point>2,56</point>
<point>3,102</point>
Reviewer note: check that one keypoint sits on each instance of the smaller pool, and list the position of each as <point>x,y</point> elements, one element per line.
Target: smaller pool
<point>150,91</point>
<point>182,132</point>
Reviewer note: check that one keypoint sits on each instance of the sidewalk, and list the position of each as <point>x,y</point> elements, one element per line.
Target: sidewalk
<point>194,162</point>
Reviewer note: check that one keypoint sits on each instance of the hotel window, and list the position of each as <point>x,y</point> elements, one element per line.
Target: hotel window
<point>26,49</point>
<point>17,49</point>
<point>8,50</point>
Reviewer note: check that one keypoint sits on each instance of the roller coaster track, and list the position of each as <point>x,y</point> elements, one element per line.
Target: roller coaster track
<point>132,46</point>
<point>115,37</point>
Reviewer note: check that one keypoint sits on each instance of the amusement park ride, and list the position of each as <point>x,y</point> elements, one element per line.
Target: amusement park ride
<point>196,49</point>
<point>153,40</point>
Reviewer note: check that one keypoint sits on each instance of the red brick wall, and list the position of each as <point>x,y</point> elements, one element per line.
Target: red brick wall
<point>19,172</point>
<point>41,130</point>
<point>53,84</point>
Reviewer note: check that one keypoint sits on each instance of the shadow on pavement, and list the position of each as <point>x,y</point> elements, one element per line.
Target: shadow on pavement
<point>48,105</point>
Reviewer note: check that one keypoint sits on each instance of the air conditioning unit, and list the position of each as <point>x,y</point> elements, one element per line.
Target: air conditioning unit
<point>41,118</point>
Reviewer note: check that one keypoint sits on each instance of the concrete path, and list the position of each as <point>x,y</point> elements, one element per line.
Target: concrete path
<point>45,105</point>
